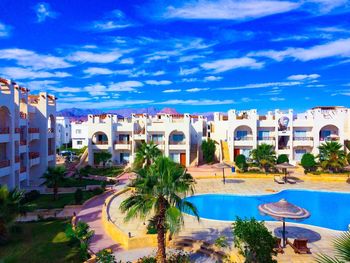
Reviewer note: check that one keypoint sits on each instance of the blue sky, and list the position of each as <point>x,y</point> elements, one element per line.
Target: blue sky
<point>195,56</point>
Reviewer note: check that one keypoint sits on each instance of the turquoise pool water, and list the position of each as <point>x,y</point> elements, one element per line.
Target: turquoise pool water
<point>328,209</point>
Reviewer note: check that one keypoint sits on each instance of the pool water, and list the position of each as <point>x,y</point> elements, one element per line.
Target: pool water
<point>328,209</point>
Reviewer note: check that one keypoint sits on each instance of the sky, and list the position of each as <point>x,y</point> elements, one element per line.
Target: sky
<point>195,56</point>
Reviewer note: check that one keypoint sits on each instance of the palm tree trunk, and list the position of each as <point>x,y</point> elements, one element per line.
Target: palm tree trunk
<point>161,255</point>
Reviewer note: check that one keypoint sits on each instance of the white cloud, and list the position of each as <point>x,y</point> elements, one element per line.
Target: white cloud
<point>65,89</point>
<point>27,73</point>
<point>171,90</point>
<point>315,86</point>
<point>102,57</point>
<point>263,85</point>
<point>212,78</point>
<point>125,86</point>
<point>74,99</point>
<point>97,71</point>
<point>228,9</point>
<point>127,61</point>
<point>158,82</point>
<point>4,30</point>
<point>201,102</point>
<point>196,89</point>
<point>158,73</point>
<point>325,6</point>
<point>337,48</point>
<point>28,58</point>
<point>189,80</point>
<point>113,21</point>
<point>189,58</point>
<point>100,104</point>
<point>41,84</point>
<point>232,63</point>
<point>189,71</point>
<point>304,77</point>
<point>96,90</point>
<point>43,11</point>
<point>277,99</point>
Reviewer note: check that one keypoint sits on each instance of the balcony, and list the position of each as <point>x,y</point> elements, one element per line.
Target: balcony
<point>122,145</point>
<point>266,140</point>
<point>33,134</point>
<point>5,163</point>
<point>244,141</point>
<point>17,159</point>
<point>177,145</point>
<point>5,168</point>
<point>51,132</point>
<point>18,130</point>
<point>160,145</point>
<point>23,173</point>
<point>23,115</point>
<point>4,134</point>
<point>5,130</point>
<point>33,130</point>
<point>51,155</point>
<point>34,158</point>
<point>303,141</point>
<point>23,169</point>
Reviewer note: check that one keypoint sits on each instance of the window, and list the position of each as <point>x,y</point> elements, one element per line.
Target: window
<point>124,138</point>
<point>178,137</point>
<point>78,131</point>
<point>124,157</point>
<point>300,134</point>
<point>157,138</point>
<point>79,142</point>
<point>175,157</point>
<point>67,134</point>
<point>263,135</point>
<point>66,126</point>
<point>299,154</point>
<point>241,135</point>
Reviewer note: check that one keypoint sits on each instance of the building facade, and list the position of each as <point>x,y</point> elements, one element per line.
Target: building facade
<point>177,136</point>
<point>63,131</point>
<point>289,133</point>
<point>27,135</point>
<point>79,134</point>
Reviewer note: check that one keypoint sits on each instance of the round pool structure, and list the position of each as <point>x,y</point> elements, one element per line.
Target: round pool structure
<point>328,209</point>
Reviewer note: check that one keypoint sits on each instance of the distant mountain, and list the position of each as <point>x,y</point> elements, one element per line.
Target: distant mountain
<point>169,111</point>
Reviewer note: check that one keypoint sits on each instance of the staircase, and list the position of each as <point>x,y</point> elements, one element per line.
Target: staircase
<point>225,151</point>
<point>194,155</point>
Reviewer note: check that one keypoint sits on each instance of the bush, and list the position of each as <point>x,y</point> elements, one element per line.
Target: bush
<point>308,162</point>
<point>179,257</point>
<point>348,158</point>
<point>105,256</point>
<point>78,196</point>
<point>221,242</point>
<point>97,191</point>
<point>103,185</point>
<point>283,158</point>
<point>30,196</point>
<point>208,149</point>
<point>254,241</point>
<point>241,162</point>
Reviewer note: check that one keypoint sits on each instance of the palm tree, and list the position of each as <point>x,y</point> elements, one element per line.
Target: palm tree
<point>264,156</point>
<point>159,193</point>
<point>146,155</point>
<point>10,208</point>
<point>53,177</point>
<point>331,156</point>
<point>342,250</point>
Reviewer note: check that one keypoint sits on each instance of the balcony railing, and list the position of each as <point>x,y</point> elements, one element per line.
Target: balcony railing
<point>17,159</point>
<point>23,169</point>
<point>266,138</point>
<point>122,142</point>
<point>17,130</point>
<point>245,138</point>
<point>33,130</point>
<point>283,147</point>
<point>23,115</point>
<point>303,139</point>
<point>5,130</point>
<point>50,130</point>
<point>159,142</point>
<point>23,142</point>
<point>101,143</point>
<point>177,143</point>
<point>4,163</point>
<point>33,155</point>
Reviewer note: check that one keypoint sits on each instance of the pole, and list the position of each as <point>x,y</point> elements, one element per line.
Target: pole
<point>223,175</point>
<point>284,232</point>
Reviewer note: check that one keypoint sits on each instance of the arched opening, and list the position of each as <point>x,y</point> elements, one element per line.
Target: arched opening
<point>177,137</point>
<point>329,133</point>
<point>5,120</point>
<point>243,133</point>
<point>139,127</point>
<point>51,123</point>
<point>99,138</point>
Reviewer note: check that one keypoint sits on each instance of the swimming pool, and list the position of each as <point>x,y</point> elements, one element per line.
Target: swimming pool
<point>328,209</point>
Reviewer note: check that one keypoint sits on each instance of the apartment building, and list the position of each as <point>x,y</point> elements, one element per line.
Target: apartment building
<point>27,135</point>
<point>177,136</point>
<point>238,132</point>
<point>63,131</point>
<point>79,134</point>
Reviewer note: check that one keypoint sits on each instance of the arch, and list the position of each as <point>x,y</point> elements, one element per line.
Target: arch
<point>243,132</point>
<point>5,120</point>
<point>139,127</point>
<point>51,123</point>
<point>177,137</point>
<point>99,138</point>
<point>329,132</point>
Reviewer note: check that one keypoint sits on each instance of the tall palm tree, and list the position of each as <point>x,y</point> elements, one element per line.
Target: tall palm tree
<point>332,156</point>
<point>10,208</point>
<point>53,177</point>
<point>264,156</point>
<point>159,193</point>
<point>146,155</point>
<point>342,250</point>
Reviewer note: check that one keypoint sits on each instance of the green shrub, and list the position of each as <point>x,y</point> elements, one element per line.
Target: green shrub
<point>176,257</point>
<point>30,196</point>
<point>254,241</point>
<point>283,158</point>
<point>308,162</point>
<point>348,158</point>
<point>241,162</point>
<point>105,256</point>
<point>78,197</point>
<point>208,149</point>
<point>103,185</point>
<point>97,191</point>
<point>221,242</point>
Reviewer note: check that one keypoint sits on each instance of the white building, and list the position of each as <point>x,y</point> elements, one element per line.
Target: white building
<point>290,134</point>
<point>177,136</point>
<point>63,131</point>
<point>79,134</point>
<point>27,135</point>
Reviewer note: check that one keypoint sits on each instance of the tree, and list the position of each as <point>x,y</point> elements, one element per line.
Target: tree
<point>208,149</point>
<point>241,162</point>
<point>105,256</point>
<point>82,234</point>
<point>331,156</point>
<point>348,158</point>
<point>264,156</point>
<point>308,162</point>
<point>282,158</point>
<point>10,208</point>
<point>53,177</point>
<point>342,250</point>
<point>159,193</point>
<point>78,196</point>
<point>146,155</point>
<point>102,156</point>
<point>254,241</point>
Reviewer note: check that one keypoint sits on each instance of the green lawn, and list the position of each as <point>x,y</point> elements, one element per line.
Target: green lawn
<point>74,182</point>
<point>109,171</point>
<point>45,201</point>
<point>40,242</point>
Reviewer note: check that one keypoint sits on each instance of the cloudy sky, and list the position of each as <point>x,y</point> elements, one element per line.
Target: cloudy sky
<point>194,56</point>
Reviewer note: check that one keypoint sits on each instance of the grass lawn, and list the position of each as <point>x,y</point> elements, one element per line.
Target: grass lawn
<point>40,242</point>
<point>45,201</point>
<point>74,182</point>
<point>108,171</point>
